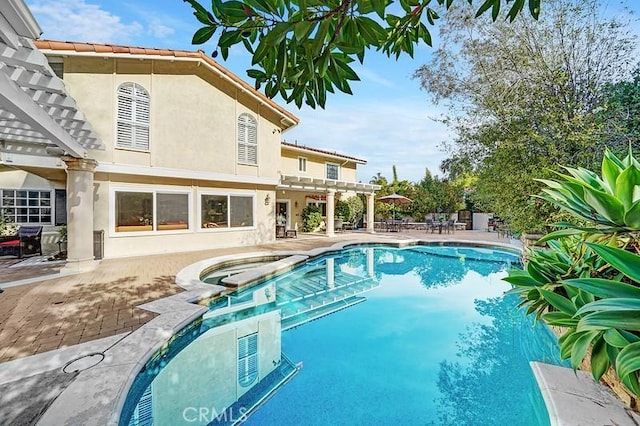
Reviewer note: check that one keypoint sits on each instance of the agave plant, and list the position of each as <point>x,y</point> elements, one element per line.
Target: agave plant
<point>612,200</point>
<point>588,281</point>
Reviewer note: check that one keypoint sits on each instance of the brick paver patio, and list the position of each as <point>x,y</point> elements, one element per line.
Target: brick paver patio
<point>68,310</point>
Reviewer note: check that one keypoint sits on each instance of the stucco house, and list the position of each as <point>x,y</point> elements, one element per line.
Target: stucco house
<point>163,150</point>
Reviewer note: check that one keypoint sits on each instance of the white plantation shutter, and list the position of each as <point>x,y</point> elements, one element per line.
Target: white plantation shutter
<point>133,117</point>
<point>247,139</point>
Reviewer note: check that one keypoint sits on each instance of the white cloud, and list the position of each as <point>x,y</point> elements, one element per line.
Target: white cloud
<point>384,132</point>
<point>158,30</point>
<point>367,75</point>
<point>78,20</point>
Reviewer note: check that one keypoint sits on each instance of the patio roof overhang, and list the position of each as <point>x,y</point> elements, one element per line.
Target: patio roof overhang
<point>305,183</point>
<point>39,120</point>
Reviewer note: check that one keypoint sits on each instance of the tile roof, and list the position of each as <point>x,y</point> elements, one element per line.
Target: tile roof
<point>322,151</point>
<point>98,48</point>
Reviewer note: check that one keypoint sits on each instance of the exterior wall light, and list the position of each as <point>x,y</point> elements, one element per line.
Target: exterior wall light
<point>267,200</point>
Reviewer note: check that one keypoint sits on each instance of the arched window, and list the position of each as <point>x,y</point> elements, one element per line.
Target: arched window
<point>247,139</point>
<point>133,117</point>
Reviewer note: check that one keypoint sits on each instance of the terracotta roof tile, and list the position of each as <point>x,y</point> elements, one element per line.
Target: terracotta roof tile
<point>99,48</point>
<point>322,151</point>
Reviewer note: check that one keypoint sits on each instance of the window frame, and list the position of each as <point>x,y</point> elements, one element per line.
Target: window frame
<point>51,205</point>
<point>246,142</point>
<point>228,194</point>
<point>154,190</point>
<point>326,170</point>
<point>134,122</point>
<point>302,160</point>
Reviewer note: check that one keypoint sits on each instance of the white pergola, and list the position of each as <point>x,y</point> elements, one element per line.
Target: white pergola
<point>41,128</point>
<point>329,187</point>
<point>38,119</point>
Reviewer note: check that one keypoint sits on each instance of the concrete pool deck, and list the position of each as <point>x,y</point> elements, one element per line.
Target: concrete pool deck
<point>99,313</point>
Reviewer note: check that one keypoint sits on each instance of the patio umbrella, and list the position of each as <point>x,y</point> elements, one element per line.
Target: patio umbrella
<point>395,199</point>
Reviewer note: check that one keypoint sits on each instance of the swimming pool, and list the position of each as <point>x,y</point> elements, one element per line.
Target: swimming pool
<point>372,334</point>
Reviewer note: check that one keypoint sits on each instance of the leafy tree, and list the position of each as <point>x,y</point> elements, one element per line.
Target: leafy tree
<point>522,100</point>
<point>621,110</point>
<point>302,49</point>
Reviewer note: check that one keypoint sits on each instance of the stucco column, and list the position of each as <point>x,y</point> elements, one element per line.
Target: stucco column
<point>331,208</point>
<point>371,214</point>
<point>80,214</point>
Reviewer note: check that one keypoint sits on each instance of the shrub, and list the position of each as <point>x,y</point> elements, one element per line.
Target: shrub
<point>343,211</point>
<point>311,218</point>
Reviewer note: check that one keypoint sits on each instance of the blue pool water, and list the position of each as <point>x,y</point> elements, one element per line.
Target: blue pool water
<point>421,335</point>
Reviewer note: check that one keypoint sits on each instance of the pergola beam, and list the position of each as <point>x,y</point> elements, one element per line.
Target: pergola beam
<point>23,107</point>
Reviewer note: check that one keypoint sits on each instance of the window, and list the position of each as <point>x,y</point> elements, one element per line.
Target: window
<point>173,211</point>
<point>247,359</point>
<point>333,171</point>
<point>26,206</point>
<point>226,211</point>
<point>136,211</point>
<point>133,117</point>
<point>302,164</point>
<point>241,213</point>
<point>247,139</point>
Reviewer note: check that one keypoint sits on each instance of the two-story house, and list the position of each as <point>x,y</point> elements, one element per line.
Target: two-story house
<point>180,154</point>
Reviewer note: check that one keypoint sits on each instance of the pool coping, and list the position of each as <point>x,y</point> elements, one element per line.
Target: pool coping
<point>98,394</point>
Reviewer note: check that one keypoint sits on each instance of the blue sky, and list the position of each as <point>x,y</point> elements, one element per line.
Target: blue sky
<point>388,121</point>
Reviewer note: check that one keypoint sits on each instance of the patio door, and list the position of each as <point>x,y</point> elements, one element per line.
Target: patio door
<point>283,213</point>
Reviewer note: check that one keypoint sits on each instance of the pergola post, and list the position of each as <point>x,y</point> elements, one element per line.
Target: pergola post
<point>331,208</point>
<point>371,212</point>
<point>80,214</point>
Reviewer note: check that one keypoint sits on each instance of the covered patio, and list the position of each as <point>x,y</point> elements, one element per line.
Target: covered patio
<point>42,130</point>
<point>301,191</point>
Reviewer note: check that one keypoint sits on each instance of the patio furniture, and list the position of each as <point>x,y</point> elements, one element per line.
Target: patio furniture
<point>291,233</point>
<point>337,225</point>
<point>27,241</point>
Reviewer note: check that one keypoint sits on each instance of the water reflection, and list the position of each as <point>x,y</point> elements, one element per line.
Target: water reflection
<point>495,355</point>
<point>219,369</point>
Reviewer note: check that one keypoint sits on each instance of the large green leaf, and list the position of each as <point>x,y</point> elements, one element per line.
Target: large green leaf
<point>606,205</point>
<point>521,278</point>
<point>566,343</point>
<point>601,287</point>
<point>560,319</point>
<point>632,216</point>
<point>585,177</point>
<point>559,302</point>
<point>631,382</point>
<point>611,169</point>
<point>624,261</point>
<point>611,304</point>
<point>615,338</point>
<point>561,233</point>
<point>581,345</point>
<point>599,358</point>
<point>626,184</point>
<point>624,320</point>
<point>628,360</point>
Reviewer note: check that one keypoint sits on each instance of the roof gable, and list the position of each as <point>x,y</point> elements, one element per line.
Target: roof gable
<point>287,119</point>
